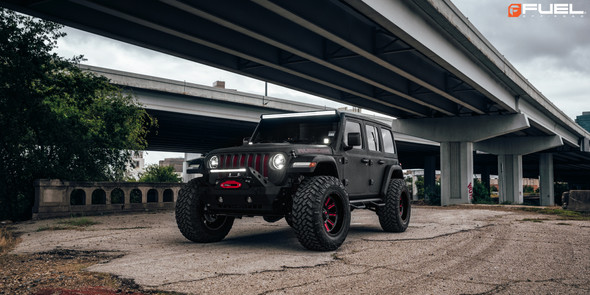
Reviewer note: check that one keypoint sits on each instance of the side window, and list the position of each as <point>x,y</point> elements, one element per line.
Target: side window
<point>387,141</point>
<point>373,138</point>
<point>352,127</point>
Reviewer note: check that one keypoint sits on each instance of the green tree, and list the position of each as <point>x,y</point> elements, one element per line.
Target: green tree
<point>420,187</point>
<point>481,194</point>
<point>57,121</point>
<point>155,173</point>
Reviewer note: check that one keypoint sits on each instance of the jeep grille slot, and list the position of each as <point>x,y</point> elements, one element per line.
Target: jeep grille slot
<point>257,161</point>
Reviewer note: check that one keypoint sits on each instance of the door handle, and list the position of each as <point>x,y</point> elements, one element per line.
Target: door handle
<point>381,162</point>
<point>365,160</point>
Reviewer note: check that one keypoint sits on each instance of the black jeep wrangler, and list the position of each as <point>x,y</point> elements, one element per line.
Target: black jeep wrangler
<point>311,168</point>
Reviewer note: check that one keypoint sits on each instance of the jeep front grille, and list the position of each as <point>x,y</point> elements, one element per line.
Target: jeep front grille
<point>257,161</point>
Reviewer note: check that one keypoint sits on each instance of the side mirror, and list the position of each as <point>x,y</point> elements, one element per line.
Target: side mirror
<point>354,139</point>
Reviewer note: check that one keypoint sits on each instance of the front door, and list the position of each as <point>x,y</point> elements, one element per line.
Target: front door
<point>355,162</point>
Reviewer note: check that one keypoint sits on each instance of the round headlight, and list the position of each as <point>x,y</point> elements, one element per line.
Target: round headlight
<point>278,161</point>
<point>213,162</point>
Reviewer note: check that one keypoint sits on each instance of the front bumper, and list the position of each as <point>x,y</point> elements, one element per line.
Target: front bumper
<point>241,192</point>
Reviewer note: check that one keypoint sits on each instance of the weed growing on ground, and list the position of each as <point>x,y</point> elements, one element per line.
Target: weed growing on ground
<point>79,222</point>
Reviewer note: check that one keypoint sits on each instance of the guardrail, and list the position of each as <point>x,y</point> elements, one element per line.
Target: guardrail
<point>58,198</point>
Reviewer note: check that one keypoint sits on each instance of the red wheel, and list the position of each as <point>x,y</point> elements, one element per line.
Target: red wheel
<point>330,215</point>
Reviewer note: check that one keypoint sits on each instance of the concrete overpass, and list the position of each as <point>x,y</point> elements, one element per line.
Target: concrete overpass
<point>196,118</point>
<point>191,115</point>
<point>419,60</point>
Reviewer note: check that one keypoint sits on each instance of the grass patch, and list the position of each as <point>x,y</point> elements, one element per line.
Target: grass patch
<point>563,214</point>
<point>53,227</point>
<point>73,223</point>
<point>79,222</point>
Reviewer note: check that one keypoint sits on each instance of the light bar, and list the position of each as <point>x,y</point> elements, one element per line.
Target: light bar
<point>304,114</point>
<point>228,170</point>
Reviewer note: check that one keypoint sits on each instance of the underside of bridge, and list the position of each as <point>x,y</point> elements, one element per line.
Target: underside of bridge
<point>420,60</point>
<point>195,134</point>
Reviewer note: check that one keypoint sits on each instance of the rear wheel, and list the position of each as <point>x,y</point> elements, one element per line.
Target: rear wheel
<point>321,213</point>
<point>193,220</point>
<point>395,215</point>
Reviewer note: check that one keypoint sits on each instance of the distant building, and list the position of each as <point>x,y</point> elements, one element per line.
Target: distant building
<point>177,163</point>
<point>584,120</point>
<point>137,165</point>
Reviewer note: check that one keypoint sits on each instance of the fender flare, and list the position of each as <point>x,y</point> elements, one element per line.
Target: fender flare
<point>391,172</point>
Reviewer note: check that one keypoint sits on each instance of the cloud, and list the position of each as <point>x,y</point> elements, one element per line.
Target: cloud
<point>108,53</point>
<point>553,53</point>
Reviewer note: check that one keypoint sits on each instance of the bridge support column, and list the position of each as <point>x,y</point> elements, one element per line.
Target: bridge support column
<point>547,192</point>
<point>510,179</point>
<point>485,178</point>
<point>510,152</point>
<point>457,136</point>
<point>456,165</point>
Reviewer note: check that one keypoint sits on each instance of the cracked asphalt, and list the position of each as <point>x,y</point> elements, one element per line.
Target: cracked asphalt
<point>457,250</point>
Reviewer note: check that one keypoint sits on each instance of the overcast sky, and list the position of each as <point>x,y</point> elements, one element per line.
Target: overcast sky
<point>553,53</point>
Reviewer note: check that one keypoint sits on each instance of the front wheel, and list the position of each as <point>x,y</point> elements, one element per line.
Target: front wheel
<point>395,215</point>
<point>193,220</point>
<point>321,213</point>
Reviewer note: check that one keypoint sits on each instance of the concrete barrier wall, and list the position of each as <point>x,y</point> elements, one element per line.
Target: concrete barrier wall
<point>58,198</point>
<point>578,200</point>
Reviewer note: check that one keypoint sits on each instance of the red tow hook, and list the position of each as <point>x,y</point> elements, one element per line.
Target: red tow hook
<point>231,184</point>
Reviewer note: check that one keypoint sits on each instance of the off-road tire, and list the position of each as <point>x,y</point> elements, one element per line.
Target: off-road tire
<point>321,213</point>
<point>395,215</point>
<point>193,221</point>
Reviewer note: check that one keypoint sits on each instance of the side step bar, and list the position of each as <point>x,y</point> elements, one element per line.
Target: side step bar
<point>366,204</point>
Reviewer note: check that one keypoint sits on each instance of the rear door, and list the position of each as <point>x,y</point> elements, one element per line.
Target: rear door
<point>376,160</point>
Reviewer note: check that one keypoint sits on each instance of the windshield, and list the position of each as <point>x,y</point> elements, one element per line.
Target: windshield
<point>305,130</point>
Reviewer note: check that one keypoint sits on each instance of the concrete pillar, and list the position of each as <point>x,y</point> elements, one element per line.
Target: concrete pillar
<point>510,151</point>
<point>429,175</point>
<point>457,135</point>
<point>485,178</point>
<point>457,170</point>
<point>510,178</point>
<point>546,180</point>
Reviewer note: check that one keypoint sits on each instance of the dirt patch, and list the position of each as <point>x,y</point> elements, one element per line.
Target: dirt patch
<point>62,272</point>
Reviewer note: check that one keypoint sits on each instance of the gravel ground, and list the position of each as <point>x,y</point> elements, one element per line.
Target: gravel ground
<point>457,250</point>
